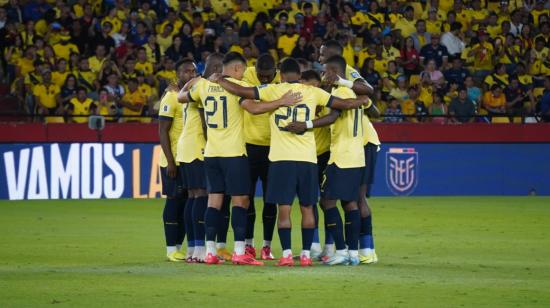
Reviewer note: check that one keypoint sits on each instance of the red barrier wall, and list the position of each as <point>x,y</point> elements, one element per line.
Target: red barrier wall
<point>396,133</point>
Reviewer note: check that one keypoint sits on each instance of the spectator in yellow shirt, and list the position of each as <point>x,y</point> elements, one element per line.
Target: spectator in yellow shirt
<point>287,42</point>
<point>494,101</point>
<point>406,24</point>
<point>45,95</point>
<point>80,106</point>
<point>483,56</point>
<point>132,102</point>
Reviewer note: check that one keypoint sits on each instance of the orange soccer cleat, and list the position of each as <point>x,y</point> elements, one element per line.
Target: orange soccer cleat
<point>288,261</point>
<point>245,259</point>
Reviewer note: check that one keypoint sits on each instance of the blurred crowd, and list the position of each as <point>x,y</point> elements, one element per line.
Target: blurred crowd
<point>473,60</point>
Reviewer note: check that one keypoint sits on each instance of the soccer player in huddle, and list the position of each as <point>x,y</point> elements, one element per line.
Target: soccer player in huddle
<point>225,152</point>
<point>352,79</point>
<point>170,128</point>
<point>293,167</point>
<point>257,136</point>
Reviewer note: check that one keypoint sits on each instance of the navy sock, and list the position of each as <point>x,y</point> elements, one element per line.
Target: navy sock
<point>211,222</point>
<point>238,222</point>
<point>199,208</point>
<point>221,237</point>
<point>366,239</point>
<point>180,212</point>
<point>170,219</point>
<point>316,229</point>
<point>353,227</point>
<point>269,218</point>
<point>188,218</point>
<point>284,236</point>
<point>307,238</point>
<point>333,226</point>
<point>250,220</point>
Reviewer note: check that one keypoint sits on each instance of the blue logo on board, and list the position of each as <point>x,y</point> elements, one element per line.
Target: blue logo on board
<point>402,169</point>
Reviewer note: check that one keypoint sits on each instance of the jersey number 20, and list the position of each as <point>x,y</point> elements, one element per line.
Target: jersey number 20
<point>294,113</point>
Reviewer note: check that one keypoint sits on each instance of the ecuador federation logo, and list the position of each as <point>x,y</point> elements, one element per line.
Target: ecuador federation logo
<point>402,170</point>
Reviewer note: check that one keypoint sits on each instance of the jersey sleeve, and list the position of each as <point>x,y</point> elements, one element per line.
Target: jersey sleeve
<point>322,97</point>
<point>194,93</point>
<point>167,109</point>
<point>267,92</point>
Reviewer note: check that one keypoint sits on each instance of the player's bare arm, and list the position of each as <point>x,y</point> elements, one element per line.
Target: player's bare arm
<point>372,111</point>
<point>350,103</point>
<point>288,99</point>
<point>233,88</point>
<point>164,127</point>
<point>300,127</point>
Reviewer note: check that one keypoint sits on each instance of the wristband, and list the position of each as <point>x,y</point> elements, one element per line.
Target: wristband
<point>344,82</point>
<point>309,124</point>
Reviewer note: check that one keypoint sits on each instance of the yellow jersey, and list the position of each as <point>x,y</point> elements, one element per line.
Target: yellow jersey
<point>81,109</point>
<point>352,74</point>
<point>134,98</point>
<point>145,67</point>
<point>322,134</point>
<point>95,63</point>
<point>46,94</point>
<point>171,110</point>
<point>64,51</point>
<point>191,142</point>
<point>59,77</point>
<point>287,43</point>
<point>287,146</point>
<point>369,133</point>
<point>256,127</point>
<point>406,26</point>
<point>224,118</point>
<point>346,135</point>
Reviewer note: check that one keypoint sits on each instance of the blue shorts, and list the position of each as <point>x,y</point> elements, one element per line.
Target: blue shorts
<point>194,174</point>
<point>229,175</point>
<point>172,187</point>
<point>371,152</point>
<point>286,179</point>
<point>341,183</point>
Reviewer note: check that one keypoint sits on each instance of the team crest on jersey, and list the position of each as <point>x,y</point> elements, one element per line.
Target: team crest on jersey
<point>402,169</point>
<point>355,75</point>
<point>166,108</point>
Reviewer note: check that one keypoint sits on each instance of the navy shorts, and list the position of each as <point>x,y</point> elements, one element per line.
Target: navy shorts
<point>286,179</point>
<point>322,162</point>
<point>258,162</point>
<point>172,187</point>
<point>341,183</point>
<point>371,152</point>
<point>194,174</point>
<point>229,175</point>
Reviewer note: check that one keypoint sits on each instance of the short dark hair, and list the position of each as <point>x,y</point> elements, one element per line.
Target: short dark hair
<point>456,26</point>
<point>233,56</point>
<point>184,61</point>
<point>290,65</point>
<point>78,89</point>
<point>310,75</point>
<point>265,62</point>
<point>334,44</point>
<point>337,60</point>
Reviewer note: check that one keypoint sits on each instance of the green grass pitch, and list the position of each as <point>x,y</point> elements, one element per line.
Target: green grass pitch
<point>440,252</point>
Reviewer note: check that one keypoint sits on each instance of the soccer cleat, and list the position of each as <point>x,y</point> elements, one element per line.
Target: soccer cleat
<point>288,261</point>
<point>224,254</point>
<point>175,256</point>
<point>337,259</point>
<point>354,260</point>
<point>325,254</point>
<point>266,253</point>
<point>212,259</point>
<point>371,258</point>
<point>251,251</point>
<point>245,259</point>
<point>305,261</point>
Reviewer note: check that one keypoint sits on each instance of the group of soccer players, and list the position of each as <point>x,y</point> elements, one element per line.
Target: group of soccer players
<point>298,132</point>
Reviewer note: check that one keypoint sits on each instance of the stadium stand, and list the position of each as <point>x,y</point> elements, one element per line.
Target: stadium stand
<point>123,53</point>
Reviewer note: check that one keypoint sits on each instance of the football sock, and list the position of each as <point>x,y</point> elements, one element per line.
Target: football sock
<point>333,223</point>
<point>366,242</point>
<point>170,219</point>
<point>223,226</point>
<point>188,218</point>
<point>269,218</point>
<point>199,209</point>
<point>250,221</point>
<point>284,236</point>
<point>220,245</point>
<point>249,242</point>
<point>316,228</point>
<point>286,253</point>
<point>170,249</point>
<point>305,253</point>
<point>180,212</point>
<point>239,247</point>
<point>238,223</point>
<point>211,221</point>
<point>211,247</point>
<point>267,243</point>
<point>307,237</point>
<point>353,219</point>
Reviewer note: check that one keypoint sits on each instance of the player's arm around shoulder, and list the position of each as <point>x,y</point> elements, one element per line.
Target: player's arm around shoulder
<point>234,88</point>
<point>189,92</point>
<point>288,99</point>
